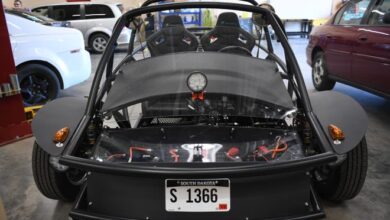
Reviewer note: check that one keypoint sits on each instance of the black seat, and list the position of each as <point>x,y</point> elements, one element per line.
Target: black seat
<point>227,33</point>
<point>172,38</point>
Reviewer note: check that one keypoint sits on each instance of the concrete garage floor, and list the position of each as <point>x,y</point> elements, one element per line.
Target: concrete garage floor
<point>23,201</point>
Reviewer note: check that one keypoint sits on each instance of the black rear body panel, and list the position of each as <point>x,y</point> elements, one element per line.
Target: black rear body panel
<point>277,196</point>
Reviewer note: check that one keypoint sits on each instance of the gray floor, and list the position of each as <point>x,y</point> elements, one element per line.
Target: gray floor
<point>22,199</point>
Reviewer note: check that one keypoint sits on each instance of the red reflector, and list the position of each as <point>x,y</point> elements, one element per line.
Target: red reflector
<point>223,206</point>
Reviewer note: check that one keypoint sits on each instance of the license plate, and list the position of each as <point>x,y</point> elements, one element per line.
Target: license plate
<point>193,195</point>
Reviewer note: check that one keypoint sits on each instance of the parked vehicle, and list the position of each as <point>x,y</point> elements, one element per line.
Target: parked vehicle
<point>47,58</point>
<point>178,131</point>
<point>95,21</point>
<point>353,48</point>
<point>38,18</point>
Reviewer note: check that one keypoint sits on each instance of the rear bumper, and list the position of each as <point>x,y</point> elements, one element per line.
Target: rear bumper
<point>309,51</point>
<point>286,196</point>
<point>272,191</point>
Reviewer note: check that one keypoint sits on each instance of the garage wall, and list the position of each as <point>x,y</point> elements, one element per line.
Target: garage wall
<point>303,9</point>
<point>33,3</point>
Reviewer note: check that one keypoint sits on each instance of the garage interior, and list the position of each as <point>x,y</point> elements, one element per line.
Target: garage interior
<point>22,200</point>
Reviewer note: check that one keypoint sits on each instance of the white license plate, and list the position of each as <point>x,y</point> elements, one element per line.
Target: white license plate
<point>193,195</point>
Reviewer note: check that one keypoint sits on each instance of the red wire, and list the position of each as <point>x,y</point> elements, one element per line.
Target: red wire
<point>131,152</point>
<point>277,149</point>
<point>174,155</point>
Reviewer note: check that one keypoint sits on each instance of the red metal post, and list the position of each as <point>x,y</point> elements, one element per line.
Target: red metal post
<point>13,124</point>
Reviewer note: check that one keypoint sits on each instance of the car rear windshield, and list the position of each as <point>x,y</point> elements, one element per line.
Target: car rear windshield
<point>31,16</point>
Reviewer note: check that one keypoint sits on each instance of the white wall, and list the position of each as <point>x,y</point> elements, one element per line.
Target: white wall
<point>303,9</point>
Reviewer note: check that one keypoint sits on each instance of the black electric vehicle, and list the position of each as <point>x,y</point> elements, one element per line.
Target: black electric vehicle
<point>212,125</point>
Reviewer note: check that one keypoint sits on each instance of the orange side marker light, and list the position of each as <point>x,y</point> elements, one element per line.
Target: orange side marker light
<point>336,133</point>
<point>60,136</point>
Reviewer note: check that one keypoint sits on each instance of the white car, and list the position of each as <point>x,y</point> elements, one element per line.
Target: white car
<point>94,20</point>
<point>47,58</point>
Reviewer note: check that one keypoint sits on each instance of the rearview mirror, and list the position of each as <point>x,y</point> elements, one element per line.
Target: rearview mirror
<point>386,18</point>
<point>259,19</point>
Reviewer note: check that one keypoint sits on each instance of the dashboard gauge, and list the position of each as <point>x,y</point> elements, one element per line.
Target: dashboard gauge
<point>197,82</point>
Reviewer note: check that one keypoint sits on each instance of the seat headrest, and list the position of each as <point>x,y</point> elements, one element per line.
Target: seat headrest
<point>172,20</point>
<point>228,19</point>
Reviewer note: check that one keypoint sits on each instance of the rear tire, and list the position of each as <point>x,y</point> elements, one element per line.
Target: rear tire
<point>39,84</point>
<point>345,181</point>
<point>98,42</point>
<point>320,74</point>
<point>52,183</point>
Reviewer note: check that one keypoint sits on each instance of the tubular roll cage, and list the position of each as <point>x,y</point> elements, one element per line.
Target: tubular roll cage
<point>294,76</point>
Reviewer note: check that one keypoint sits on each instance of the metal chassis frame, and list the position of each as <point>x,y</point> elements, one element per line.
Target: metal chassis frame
<point>294,74</point>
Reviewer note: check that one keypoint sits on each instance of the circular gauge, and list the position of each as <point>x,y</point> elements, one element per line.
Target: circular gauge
<point>197,81</point>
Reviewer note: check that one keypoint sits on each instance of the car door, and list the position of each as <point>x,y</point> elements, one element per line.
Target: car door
<point>99,16</point>
<point>71,13</point>
<point>340,38</point>
<point>13,29</point>
<point>371,56</point>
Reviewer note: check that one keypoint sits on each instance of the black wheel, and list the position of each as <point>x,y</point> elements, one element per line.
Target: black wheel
<point>52,183</point>
<point>345,181</point>
<point>320,77</point>
<point>98,42</point>
<point>38,83</point>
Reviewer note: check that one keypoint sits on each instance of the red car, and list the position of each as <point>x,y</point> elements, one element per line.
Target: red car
<point>353,47</point>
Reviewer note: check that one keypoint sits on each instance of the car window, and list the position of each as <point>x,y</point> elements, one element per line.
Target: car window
<point>338,16</point>
<point>377,15</point>
<point>121,8</point>
<point>354,12</point>
<point>42,11</point>
<point>66,12</point>
<point>98,11</point>
<point>32,16</point>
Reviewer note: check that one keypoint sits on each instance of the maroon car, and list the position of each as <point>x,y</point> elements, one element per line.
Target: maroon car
<point>353,47</point>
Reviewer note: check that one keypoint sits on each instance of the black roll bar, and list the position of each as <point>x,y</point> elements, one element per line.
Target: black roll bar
<point>293,72</point>
<point>149,2</point>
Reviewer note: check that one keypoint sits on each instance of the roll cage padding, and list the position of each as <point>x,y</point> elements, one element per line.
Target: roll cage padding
<point>227,32</point>
<point>172,38</point>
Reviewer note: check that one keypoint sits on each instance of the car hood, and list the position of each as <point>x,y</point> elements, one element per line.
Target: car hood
<point>52,30</point>
<point>227,74</point>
